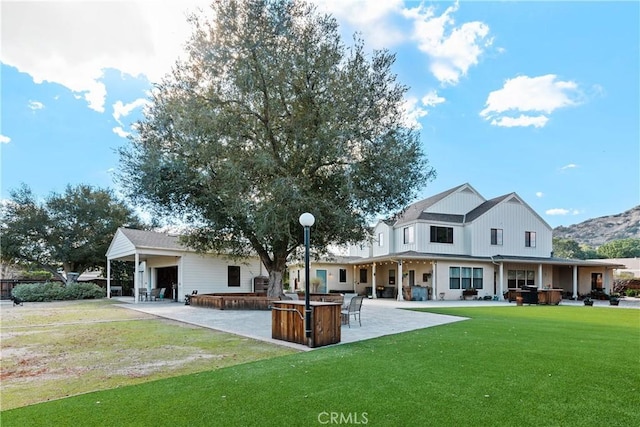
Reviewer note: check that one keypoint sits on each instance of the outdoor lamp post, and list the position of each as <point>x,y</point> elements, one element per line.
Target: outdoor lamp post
<point>307,220</point>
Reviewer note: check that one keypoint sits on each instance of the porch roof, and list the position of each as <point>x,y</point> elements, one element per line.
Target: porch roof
<point>496,258</point>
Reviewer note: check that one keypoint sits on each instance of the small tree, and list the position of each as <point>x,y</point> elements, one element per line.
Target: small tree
<point>72,230</point>
<point>271,115</point>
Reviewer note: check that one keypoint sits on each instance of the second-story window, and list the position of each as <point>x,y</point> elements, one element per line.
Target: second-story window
<point>380,239</point>
<point>441,234</point>
<point>408,235</point>
<point>496,236</point>
<point>530,239</point>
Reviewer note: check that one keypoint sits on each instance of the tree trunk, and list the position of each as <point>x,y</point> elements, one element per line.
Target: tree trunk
<point>275,284</point>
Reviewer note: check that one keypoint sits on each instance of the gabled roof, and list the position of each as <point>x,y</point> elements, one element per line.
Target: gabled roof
<point>413,212</point>
<point>152,239</point>
<point>485,207</point>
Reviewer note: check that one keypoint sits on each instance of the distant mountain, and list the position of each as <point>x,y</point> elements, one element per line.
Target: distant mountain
<point>597,231</point>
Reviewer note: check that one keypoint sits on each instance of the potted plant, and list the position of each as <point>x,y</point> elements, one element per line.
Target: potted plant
<point>315,284</point>
<point>614,299</point>
<point>588,301</point>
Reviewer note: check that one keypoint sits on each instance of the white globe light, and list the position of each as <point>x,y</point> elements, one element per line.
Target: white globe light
<point>307,220</point>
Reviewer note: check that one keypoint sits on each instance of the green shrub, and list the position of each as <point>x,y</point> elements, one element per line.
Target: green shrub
<point>34,292</point>
<point>84,291</point>
<point>630,292</point>
<point>36,275</point>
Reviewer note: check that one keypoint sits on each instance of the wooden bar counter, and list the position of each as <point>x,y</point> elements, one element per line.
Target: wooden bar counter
<point>549,296</point>
<point>287,322</point>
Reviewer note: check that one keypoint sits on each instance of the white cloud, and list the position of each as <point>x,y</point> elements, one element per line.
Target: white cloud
<point>122,110</point>
<point>531,96</point>
<point>120,132</point>
<point>452,49</point>
<point>72,42</point>
<point>556,211</point>
<point>522,121</point>
<point>371,18</point>
<point>562,212</point>
<point>4,139</point>
<point>569,166</point>
<point>35,105</point>
<point>432,99</point>
<point>416,109</point>
<point>539,194</point>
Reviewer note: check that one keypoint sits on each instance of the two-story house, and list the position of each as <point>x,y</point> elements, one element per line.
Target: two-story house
<point>457,244</point>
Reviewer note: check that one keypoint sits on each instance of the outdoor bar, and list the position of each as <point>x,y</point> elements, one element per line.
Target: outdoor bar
<point>288,322</point>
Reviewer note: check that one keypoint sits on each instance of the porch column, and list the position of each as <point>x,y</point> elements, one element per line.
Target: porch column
<point>373,281</point>
<point>108,278</point>
<point>400,297</point>
<point>539,276</point>
<point>575,282</point>
<point>501,282</point>
<point>180,287</point>
<point>136,278</point>
<point>605,282</point>
<point>434,280</point>
<point>354,280</point>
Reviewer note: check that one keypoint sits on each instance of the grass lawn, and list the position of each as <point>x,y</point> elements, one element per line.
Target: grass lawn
<point>59,349</point>
<point>507,366</point>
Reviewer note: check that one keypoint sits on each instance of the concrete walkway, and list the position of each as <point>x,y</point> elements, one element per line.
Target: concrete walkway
<point>379,317</point>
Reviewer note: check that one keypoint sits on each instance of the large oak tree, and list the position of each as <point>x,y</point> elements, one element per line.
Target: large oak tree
<point>71,230</point>
<point>270,115</point>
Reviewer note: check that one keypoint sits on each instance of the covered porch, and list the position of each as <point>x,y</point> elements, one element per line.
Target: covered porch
<point>422,276</point>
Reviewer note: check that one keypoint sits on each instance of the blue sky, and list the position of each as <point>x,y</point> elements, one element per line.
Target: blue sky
<point>537,98</point>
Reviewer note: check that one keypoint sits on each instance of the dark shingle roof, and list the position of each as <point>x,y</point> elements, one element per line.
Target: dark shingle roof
<point>485,207</point>
<point>413,212</point>
<point>429,216</point>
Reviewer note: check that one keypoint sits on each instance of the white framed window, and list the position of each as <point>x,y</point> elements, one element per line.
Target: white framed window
<point>496,236</point>
<point>380,239</point>
<point>407,233</point>
<point>530,239</point>
<point>441,234</point>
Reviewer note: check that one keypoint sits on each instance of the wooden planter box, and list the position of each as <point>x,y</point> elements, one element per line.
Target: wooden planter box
<point>469,293</point>
<point>288,324</point>
<point>235,301</point>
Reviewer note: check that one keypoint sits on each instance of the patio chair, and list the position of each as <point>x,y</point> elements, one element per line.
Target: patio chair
<point>346,299</point>
<point>157,293</point>
<point>355,305</point>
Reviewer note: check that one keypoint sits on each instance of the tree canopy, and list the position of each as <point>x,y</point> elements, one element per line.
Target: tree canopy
<point>623,248</point>
<point>72,230</point>
<point>269,116</point>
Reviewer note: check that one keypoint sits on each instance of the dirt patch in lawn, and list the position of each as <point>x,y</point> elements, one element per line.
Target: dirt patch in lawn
<point>54,350</point>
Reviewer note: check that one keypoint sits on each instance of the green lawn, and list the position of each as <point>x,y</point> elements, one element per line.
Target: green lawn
<point>525,366</point>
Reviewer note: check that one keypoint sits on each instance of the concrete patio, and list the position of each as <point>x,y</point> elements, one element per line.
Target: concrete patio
<point>379,317</point>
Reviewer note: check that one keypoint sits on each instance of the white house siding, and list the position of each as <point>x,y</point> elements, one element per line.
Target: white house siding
<point>120,246</point>
<point>210,274</point>
<point>514,219</point>
<point>361,250</point>
<point>386,231</point>
<point>424,244</point>
<point>458,203</point>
